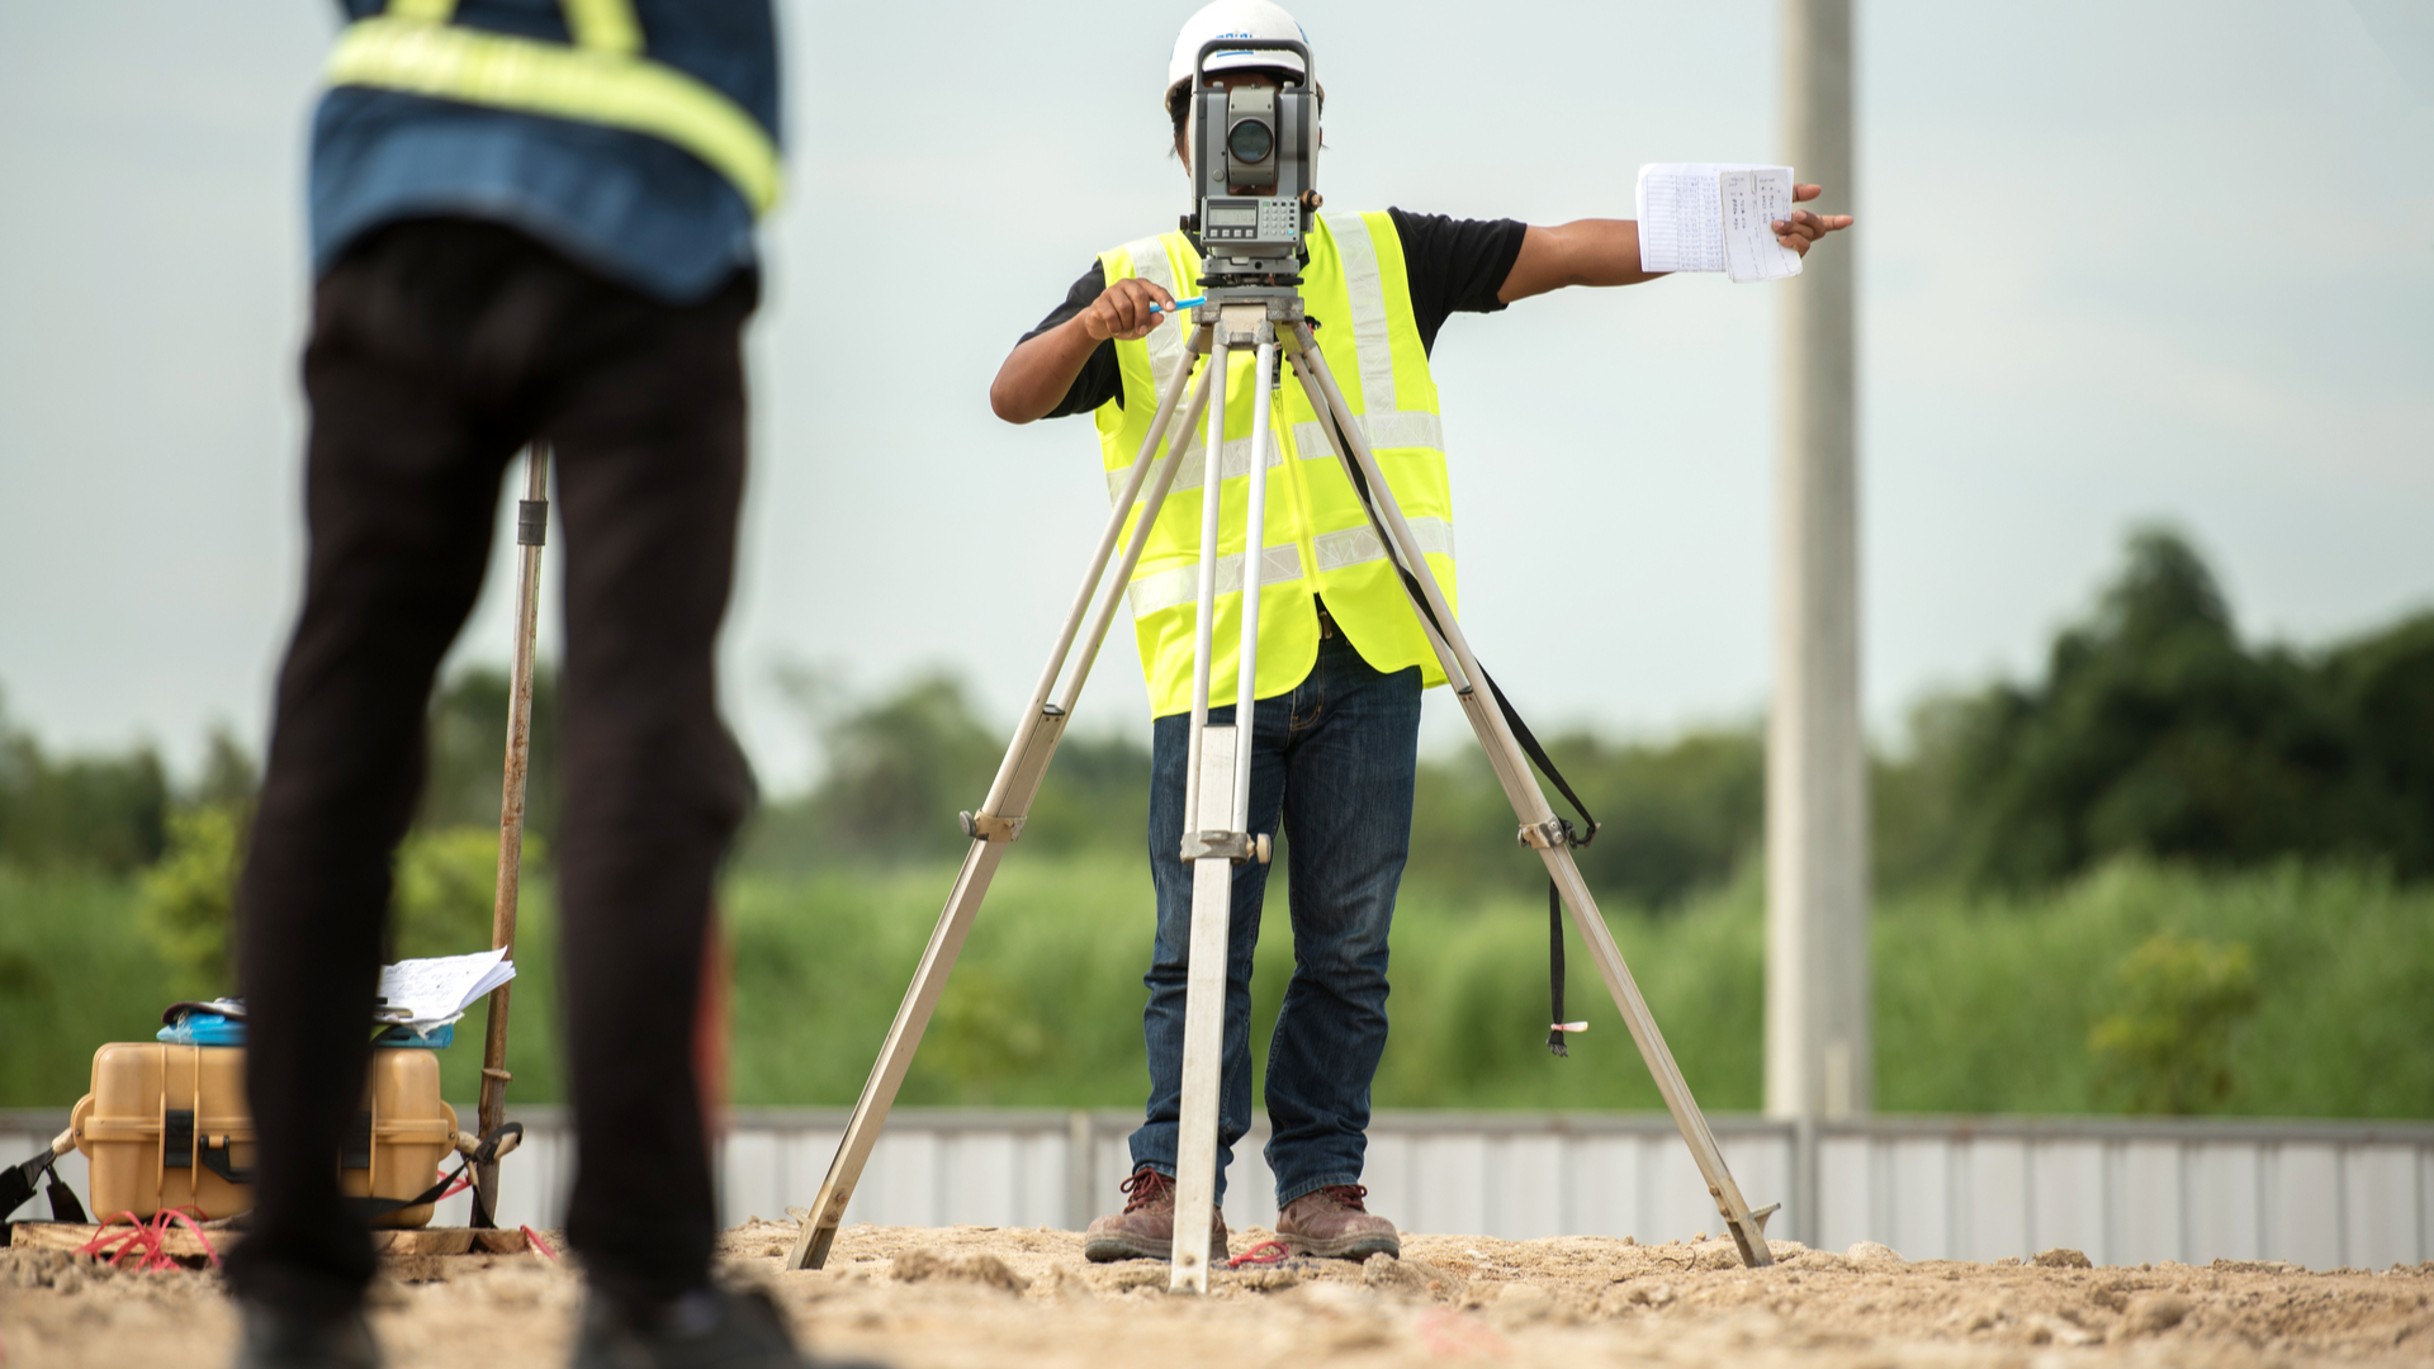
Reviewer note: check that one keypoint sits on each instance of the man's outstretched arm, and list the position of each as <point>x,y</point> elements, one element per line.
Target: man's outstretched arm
<point>1607,251</point>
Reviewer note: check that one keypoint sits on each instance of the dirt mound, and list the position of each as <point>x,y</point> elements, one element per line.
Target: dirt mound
<point>975,1296</point>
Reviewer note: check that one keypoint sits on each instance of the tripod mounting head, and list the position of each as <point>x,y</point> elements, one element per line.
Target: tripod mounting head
<point>1254,166</point>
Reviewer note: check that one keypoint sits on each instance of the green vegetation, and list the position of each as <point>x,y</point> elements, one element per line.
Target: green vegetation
<point>2004,1003</point>
<point>2182,1001</point>
<point>2176,873</point>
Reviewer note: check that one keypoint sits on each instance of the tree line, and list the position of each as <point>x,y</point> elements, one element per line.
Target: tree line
<point>2152,729</point>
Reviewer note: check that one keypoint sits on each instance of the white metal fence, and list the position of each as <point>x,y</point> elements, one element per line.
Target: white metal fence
<point>2320,1194</point>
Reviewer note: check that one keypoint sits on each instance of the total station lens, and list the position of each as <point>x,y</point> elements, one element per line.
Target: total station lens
<point>1250,141</point>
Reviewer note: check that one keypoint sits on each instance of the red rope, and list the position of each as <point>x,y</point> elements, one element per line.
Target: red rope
<point>1266,1252</point>
<point>533,1238</point>
<point>179,1216</point>
<point>121,1244</point>
<point>147,1237</point>
<point>464,1180</point>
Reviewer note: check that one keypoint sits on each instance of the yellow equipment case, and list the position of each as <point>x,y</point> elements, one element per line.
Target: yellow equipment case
<point>166,1127</point>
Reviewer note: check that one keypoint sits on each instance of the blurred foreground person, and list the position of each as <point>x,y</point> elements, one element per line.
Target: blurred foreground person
<point>528,222</point>
<point>1339,645</point>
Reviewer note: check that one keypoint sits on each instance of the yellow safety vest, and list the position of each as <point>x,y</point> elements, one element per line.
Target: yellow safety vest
<point>1318,541</point>
<point>603,78</point>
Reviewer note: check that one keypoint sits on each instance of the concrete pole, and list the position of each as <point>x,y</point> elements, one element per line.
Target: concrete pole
<point>1818,1054</point>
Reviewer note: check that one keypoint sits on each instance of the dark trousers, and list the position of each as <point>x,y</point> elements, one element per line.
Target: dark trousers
<point>439,349</point>
<point>1335,762</point>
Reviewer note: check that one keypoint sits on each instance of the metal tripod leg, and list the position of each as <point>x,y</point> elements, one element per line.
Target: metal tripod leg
<point>1001,816</point>
<point>1219,782</point>
<point>1540,828</point>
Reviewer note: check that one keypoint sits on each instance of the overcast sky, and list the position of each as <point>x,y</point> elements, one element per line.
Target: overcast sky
<point>2120,260</point>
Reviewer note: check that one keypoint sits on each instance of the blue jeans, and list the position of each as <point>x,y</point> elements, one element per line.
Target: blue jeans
<point>1335,759</point>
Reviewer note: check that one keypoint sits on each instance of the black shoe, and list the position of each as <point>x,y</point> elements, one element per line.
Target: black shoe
<point>715,1328</point>
<point>276,1338</point>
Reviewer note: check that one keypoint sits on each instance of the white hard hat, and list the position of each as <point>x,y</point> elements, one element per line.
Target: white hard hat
<point>1233,19</point>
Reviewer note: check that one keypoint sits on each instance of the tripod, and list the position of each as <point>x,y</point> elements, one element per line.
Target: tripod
<point>1218,775</point>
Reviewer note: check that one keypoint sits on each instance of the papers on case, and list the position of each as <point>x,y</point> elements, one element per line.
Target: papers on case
<point>422,994</point>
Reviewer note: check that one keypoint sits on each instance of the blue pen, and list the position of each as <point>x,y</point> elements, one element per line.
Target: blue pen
<point>1193,303</point>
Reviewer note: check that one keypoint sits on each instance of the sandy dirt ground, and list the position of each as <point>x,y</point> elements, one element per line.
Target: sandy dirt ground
<point>971,1296</point>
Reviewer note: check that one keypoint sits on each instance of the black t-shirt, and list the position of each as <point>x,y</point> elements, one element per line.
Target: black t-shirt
<point>1454,266</point>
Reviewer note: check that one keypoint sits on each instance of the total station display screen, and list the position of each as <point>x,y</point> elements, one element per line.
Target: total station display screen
<point>1233,216</point>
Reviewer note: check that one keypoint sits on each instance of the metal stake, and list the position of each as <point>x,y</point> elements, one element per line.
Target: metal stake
<point>532,530</point>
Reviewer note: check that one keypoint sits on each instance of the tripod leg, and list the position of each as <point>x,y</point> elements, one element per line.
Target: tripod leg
<point>1540,827</point>
<point>992,830</point>
<point>1205,618</point>
<point>1222,784</point>
<point>1204,1027</point>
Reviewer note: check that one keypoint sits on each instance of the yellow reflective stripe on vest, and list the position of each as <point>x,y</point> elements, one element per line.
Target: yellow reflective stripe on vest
<point>1373,351</point>
<point>1180,587</point>
<point>1399,429</point>
<point>604,26</point>
<point>1168,342</point>
<point>424,11</point>
<point>1309,439</point>
<point>1352,546</point>
<point>616,90</point>
<point>1234,460</point>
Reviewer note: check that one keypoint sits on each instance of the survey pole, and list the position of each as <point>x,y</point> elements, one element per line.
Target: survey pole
<point>532,530</point>
<point>1818,1054</point>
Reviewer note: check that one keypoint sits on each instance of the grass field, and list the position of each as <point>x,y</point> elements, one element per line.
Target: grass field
<point>1982,1005</point>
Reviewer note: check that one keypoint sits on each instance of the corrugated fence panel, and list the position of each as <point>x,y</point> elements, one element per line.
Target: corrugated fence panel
<point>2303,1209</point>
<point>1994,1199</point>
<point>2315,1193</point>
<point>1605,1186</point>
<point>2378,1194</point>
<point>2067,1199</point>
<point>2225,1220</point>
<point>2145,1210</point>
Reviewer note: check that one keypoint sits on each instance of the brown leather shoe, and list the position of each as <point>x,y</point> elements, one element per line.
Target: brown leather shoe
<point>1145,1229</point>
<point>1332,1223</point>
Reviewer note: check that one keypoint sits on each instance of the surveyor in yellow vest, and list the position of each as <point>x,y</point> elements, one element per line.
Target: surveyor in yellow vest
<point>1341,654</point>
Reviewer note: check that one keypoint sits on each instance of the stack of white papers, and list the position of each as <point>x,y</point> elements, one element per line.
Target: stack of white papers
<point>1714,216</point>
<point>423,994</point>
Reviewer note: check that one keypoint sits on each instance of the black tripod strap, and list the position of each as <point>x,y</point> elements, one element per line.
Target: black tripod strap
<point>1555,971</point>
<point>1572,836</point>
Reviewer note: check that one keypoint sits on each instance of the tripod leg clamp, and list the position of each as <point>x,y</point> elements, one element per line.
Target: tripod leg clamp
<point>1234,846</point>
<point>989,826</point>
<point>1545,836</point>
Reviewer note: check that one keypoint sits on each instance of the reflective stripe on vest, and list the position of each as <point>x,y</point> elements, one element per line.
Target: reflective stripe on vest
<point>1283,565</point>
<point>603,78</point>
<point>1318,539</point>
<point>1309,438</point>
<point>1181,585</point>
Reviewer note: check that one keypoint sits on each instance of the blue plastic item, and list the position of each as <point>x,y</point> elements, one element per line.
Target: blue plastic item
<point>203,1029</point>
<point>213,1029</point>
<point>438,1038</point>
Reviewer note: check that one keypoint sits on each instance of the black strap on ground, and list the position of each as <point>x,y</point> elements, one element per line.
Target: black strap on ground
<point>1572,836</point>
<point>17,1188</point>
